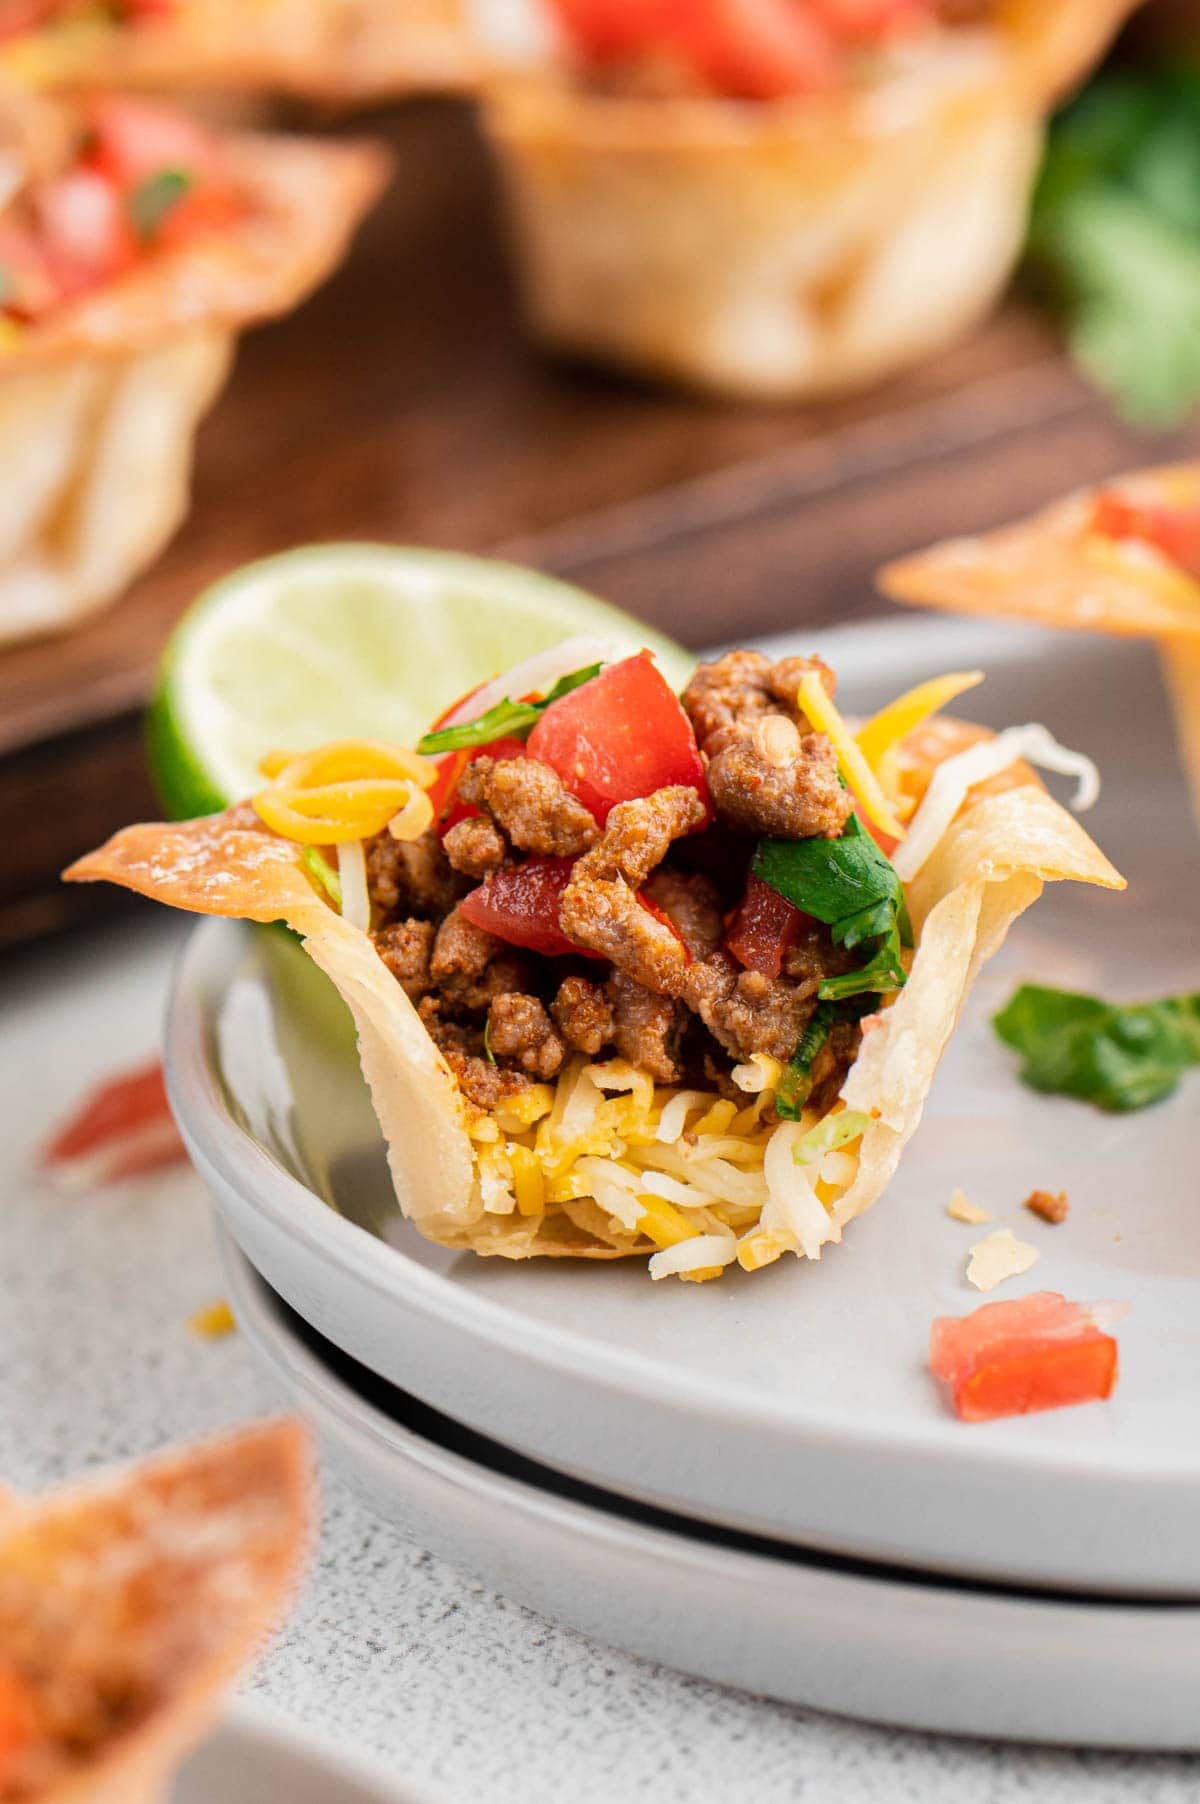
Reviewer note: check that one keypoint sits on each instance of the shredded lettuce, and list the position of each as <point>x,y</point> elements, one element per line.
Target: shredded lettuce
<point>506,719</point>
<point>323,874</point>
<point>829,1135</point>
<point>1116,1057</point>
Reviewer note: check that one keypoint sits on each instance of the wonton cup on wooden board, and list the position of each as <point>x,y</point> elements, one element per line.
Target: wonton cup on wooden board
<point>129,1604</point>
<point>990,865</point>
<point>1057,569</point>
<point>341,52</point>
<point>789,248</point>
<point>100,397</point>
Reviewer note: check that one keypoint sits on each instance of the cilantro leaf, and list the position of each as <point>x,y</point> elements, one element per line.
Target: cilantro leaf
<point>154,198</point>
<point>507,718</point>
<point>1115,235</point>
<point>1116,1056</point>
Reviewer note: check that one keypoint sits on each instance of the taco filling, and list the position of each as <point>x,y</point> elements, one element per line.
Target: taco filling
<point>636,973</point>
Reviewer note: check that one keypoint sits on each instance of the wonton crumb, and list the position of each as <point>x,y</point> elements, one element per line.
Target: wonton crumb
<point>1051,1208</point>
<point>961,1208</point>
<point>1001,1255</point>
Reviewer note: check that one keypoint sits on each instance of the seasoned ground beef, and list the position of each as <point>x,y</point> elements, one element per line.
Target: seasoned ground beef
<point>692,902</point>
<point>471,967</point>
<point>519,1028</point>
<point>600,907</point>
<point>405,949</point>
<point>768,776</point>
<point>476,847</point>
<point>408,878</point>
<point>482,1082</point>
<point>532,804</point>
<point>583,1015</point>
<point>746,1012</point>
<point>648,1029</point>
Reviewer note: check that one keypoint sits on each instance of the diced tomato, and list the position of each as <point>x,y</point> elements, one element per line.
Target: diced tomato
<point>147,9</point>
<point>664,920</point>
<point>764,926</point>
<point>751,49</point>
<point>1012,1358</point>
<point>869,21</point>
<point>609,30</point>
<point>134,139</point>
<point>85,231</point>
<point>520,905</point>
<point>28,283</point>
<point>20,16</point>
<point>122,1128</point>
<point>1175,531</point>
<point>447,810</point>
<point>18,1718</point>
<point>622,735</point>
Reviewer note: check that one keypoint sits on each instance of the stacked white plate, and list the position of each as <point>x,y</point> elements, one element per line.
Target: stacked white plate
<point>757,1479</point>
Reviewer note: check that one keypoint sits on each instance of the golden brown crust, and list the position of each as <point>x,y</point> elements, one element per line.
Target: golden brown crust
<point>1052,571</point>
<point>338,51</point>
<point>129,1604</point>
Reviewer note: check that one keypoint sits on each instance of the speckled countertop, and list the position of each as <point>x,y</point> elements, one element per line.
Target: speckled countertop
<point>456,1689</point>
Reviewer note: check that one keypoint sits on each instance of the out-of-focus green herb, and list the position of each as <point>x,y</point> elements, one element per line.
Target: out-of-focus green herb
<point>1115,237</point>
<point>323,873</point>
<point>506,718</point>
<point>1116,1057</point>
<point>154,198</point>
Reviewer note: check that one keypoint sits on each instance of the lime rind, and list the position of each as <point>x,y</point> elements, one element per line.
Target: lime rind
<point>339,639</point>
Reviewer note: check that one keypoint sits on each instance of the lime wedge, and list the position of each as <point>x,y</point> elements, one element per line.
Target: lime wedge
<point>337,640</point>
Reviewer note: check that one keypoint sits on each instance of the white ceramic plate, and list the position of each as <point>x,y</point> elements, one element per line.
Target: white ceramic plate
<point>862,1641</point>
<point>255,1757</point>
<point>795,1402</point>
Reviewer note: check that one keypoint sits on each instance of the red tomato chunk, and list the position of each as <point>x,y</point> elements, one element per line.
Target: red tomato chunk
<point>764,927</point>
<point>622,735</point>
<point>520,905</point>
<point>1175,531</point>
<point>1013,1358</point>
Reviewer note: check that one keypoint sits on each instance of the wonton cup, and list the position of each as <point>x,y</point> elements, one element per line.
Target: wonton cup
<point>1053,570</point>
<point>337,51</point>
<point>129,1604</point>
<point>794,248</point>
<point>100,400</point>
<point>1009,840</point>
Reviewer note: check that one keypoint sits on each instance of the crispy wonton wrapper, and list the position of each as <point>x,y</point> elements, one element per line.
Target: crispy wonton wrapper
<point>142,1595</point>
<point>989,867</point>
<point>99,403</point>
<point>337,51</point>
<point>1052,570</point>
<point>791,249</point>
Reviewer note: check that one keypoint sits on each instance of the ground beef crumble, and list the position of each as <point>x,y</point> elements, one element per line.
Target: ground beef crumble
<point>649,897</point>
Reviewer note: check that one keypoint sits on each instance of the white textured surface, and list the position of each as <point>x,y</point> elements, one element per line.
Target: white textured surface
<point>391,1651</point>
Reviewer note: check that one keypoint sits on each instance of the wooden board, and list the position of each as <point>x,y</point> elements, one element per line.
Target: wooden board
<point>401,403</point>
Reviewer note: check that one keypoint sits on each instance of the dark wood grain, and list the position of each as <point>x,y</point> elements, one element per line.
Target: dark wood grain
<point>401,403</point>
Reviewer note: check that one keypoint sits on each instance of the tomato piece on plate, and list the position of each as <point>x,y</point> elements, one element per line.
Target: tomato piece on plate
<point>122,1128</point>
<point>608,30</point>
<point>520,905</point>
<point>755,49</point>
<point>764,926</point>
<point>85,231</point>
<point>1033,1353</point>
<point>622,735</point>
<point>1175,531</point>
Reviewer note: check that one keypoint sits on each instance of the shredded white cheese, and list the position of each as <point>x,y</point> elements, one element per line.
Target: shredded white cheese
<point>694,1255</point>
<point>961,1208</point>
<point>998,1257</point>
<point>952,780</point>
<point>352,875</point>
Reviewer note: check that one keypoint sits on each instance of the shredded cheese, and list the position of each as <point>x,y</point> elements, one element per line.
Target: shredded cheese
<point>824,716</point>
<point>953,780</point>
<point>702,1252</point>
<point>352,875</point>
<point>349,789</point>
<point>885,730</point>
<point>961,1208</point>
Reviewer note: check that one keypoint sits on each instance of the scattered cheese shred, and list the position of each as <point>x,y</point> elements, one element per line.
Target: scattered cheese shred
<point>885,730</point>
<point>213,1322</point>
<point>961,1208</point>
<point>859,776</point>
<point>352,875</point>
<point>1001,1255</point>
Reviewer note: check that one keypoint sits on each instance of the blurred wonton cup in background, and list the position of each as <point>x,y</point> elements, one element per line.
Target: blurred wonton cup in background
<point>340,51</point>
<point>134,248</point>
<point>793,246</point>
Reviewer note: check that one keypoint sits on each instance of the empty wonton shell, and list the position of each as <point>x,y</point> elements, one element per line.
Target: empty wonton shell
<point>339,51</point>
<point>129,1604</point>
<point>794,248</point>
<point>989,867</point>
<point>1053,570</point>
<point>99,402</point>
